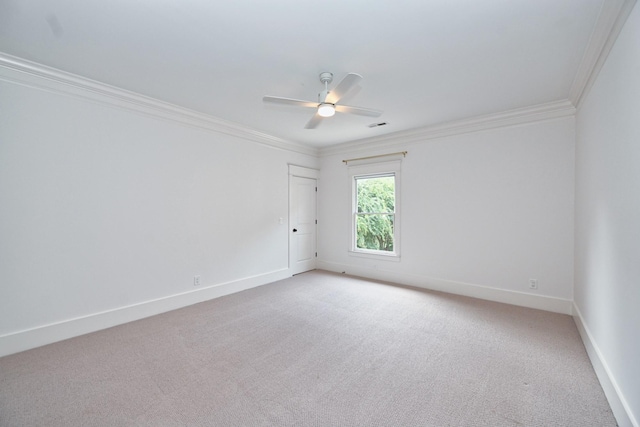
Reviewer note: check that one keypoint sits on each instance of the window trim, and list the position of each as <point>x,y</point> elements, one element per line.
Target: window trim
<point>372,170</point>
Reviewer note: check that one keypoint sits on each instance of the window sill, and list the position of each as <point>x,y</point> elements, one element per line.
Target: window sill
<point>394,257</point>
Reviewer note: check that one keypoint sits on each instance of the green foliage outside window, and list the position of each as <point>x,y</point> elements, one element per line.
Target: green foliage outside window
<point>375,213</point>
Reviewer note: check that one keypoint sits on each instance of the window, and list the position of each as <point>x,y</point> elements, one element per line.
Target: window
<point>375,213</point>
<point>375,225</point>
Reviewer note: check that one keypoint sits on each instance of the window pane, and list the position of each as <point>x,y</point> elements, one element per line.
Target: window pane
<point>376,195</point>
<point>375,212</point>
<point>374,232</point>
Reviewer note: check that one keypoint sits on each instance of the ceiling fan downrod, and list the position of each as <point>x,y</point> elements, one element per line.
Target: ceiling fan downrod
<point>325,78</point>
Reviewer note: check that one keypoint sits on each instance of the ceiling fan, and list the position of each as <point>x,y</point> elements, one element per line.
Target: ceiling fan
<point>327,104</point>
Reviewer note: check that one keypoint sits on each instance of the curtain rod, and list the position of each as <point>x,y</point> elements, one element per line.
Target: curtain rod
<point>404,154</point>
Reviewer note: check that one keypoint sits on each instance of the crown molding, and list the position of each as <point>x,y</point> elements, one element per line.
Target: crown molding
<point>542,112</point>
<point>23,72</point>
<point>611,19</point>
<point>610,22</point>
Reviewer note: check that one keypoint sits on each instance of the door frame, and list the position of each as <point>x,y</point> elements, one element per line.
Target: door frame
<point>302,172</point>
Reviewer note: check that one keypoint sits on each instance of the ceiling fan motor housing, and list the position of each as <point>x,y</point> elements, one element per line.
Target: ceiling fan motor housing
<point>326,77</point>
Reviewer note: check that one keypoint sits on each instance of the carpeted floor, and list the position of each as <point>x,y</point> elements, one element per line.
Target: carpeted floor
<point>318,349</point>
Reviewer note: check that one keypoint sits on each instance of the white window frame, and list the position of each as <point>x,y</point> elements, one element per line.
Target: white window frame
<point>372,170</point>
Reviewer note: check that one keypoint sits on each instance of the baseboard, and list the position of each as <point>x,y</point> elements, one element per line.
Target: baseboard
<point>47,334</point>
<point>556,305</point>
<point>618,403</point>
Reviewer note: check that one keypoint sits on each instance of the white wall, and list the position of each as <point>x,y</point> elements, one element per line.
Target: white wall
<point>103,208</point>
<point>107,214</point>
<point>482,213</point>
<point>607,256</point>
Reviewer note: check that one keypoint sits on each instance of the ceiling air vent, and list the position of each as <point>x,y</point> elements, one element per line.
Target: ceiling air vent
<point>375,125</point>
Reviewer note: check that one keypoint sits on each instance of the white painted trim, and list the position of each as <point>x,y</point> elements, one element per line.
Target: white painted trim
<point>47,334</point>
<point>610,22</point>
<point>303,171</point>
<point>536,113</point>
<point>546,303</point>
<point>23,72</point>
<point>20,71</point>
<point>370,168</point>
<point>621,409</point>
<point>611,19</point>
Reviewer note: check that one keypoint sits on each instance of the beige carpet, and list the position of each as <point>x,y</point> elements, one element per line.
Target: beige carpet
<point>319,349</point>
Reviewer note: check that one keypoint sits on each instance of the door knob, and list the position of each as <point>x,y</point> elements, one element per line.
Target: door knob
<point>295,229</point>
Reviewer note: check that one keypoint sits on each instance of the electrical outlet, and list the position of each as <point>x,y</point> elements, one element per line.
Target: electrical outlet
<point>533,283</point>
<point>196,280</point>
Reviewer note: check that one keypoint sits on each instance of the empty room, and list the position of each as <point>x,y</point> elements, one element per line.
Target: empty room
<point>338,213</point>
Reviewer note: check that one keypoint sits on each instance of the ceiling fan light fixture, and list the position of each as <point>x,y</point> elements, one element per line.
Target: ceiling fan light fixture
<point>326,110</point>
<point>328,101</point>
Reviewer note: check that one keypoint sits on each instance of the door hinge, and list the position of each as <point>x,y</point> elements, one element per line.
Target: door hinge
<point>316,222</point>
<point>316,189</point>
<point>316,254</point>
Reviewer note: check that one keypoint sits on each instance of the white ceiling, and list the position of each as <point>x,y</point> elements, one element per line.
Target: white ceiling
<point>423,62</point>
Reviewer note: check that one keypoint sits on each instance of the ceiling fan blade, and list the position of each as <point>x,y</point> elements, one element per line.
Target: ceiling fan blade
<point>289,101</point>
<point>345,85</point>
<point>314,122</point>
<point>359,111</point>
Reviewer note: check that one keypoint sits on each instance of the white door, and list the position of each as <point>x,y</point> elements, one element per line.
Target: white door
<point>302,224</point>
